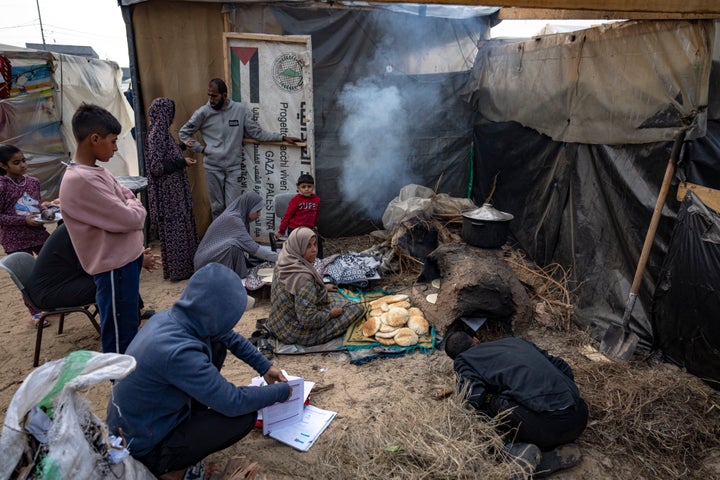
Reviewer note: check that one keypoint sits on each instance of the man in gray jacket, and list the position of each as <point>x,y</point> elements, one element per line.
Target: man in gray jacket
<point>223,123</point>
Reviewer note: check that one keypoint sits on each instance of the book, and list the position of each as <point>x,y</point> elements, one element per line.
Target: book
<point>293,382</point>
<point>287,412</point>
<point>292,422</point>
<point>302,434</point>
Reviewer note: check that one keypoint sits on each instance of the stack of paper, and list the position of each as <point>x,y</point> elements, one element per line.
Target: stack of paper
<point>291,422</point>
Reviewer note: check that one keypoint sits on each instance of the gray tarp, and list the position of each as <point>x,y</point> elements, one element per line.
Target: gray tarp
<point>387,109</point>
<point>621,83</point>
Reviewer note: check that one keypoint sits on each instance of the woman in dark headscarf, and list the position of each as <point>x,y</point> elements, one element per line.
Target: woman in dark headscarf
<point>228,241</point>
<point>304,310</point>
<point>169,196</point>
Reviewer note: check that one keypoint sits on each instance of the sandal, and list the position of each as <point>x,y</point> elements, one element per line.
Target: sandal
<point>264,346</point>
<point>36,321</point>
<point>260,323</point>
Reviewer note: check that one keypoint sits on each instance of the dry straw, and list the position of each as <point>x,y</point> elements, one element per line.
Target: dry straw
<point>654,419</point>
<point>547,288</point>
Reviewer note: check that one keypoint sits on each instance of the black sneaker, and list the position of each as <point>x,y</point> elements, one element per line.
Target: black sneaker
<point>564,456</point>
<point>524,457</point>
<point>195,472</point>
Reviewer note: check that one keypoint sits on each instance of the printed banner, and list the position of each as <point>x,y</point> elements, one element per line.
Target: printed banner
<point>272,75</point>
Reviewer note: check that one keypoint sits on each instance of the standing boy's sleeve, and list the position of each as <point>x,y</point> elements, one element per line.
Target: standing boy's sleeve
<point>101,203</point>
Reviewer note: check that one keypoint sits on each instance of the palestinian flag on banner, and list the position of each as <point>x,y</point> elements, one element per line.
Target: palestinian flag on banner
<point>246,84</point>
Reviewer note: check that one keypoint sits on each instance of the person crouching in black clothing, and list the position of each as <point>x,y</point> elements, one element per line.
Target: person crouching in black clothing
<point>544,409</point>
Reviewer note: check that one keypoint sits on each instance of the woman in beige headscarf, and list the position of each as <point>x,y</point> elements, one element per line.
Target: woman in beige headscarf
<point>305,311</point>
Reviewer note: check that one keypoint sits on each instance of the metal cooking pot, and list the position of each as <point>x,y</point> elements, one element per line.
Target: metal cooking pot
<point>485,227</point>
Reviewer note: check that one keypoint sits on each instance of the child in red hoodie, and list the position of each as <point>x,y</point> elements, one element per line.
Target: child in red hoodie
<point>303,209</point>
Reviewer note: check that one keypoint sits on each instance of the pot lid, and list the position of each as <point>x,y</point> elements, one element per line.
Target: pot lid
<point>488,213</point>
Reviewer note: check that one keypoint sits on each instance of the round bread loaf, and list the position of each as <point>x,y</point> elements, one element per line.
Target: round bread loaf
<point>403,304</point>
<point>370,327</point>
<point>385,341</point>
<point>385,328</point>
<point>388,299</point>
<point>376,313</point>
<point>405,337</point>
<point>415,312</point>
<point>397,317</point>
<point>389,334</point>
<point>418,324</point>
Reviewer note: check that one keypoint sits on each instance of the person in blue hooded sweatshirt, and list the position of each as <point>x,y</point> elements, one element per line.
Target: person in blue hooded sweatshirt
<point>176,408</point>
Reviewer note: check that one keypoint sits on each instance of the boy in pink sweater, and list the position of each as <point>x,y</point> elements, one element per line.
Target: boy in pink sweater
<point>105,221</point>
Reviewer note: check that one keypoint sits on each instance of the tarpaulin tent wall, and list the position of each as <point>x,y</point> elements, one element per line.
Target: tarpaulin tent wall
<point>607,102</point>
<point>586,204</point>
<point>386,105</point>
<point>687,298</point>
<point>45,90</point>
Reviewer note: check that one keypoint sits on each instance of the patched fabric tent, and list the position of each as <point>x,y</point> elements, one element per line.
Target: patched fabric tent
<point>577,133</point>
<point>45,89</point>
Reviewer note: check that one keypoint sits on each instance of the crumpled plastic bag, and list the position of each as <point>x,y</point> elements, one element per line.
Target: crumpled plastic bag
<point>415,199</point>
<point>412,200</point>
<point>68,453</point>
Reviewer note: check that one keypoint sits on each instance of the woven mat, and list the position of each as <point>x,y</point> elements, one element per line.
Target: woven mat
<point>355,340</point>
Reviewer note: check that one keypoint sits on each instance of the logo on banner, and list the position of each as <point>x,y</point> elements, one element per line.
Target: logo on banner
<point>287,72</point>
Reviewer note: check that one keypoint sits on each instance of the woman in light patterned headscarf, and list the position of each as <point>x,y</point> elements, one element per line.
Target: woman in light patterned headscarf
<point>169,197</point>
<point>304,310</point>
<point>228,241</point>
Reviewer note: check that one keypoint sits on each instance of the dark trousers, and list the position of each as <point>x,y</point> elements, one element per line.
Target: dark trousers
<point>204,432</point>
<point>547,430</point>
<point>117,295</point>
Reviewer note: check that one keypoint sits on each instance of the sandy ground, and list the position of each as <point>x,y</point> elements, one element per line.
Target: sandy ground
<point>369,392</point>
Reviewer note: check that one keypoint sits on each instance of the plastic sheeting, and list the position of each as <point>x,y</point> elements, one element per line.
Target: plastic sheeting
<point>387,104</point>
<point>620,83</point>
<point>46,90</point>
<point>687,300</point>
<point>397,75</point>
<point>588,207</point>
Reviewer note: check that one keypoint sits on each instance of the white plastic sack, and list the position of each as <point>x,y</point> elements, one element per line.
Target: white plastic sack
<point>412,200</point>
<point>444,204</point>
<point>54,386</point>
